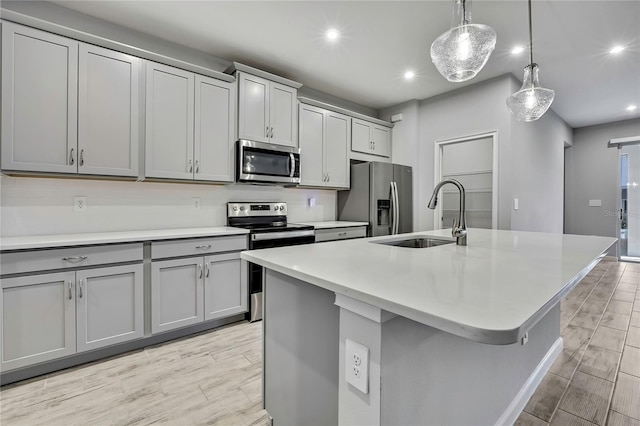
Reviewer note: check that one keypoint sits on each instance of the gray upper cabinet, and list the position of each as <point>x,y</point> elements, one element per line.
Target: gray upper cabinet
<point>267,111</point>
<point>39,109</point>
<point>324,135</point>
<point>67,107</point>
<point>38,318</point>
<point>190,125</point>
<point>214,129</point>
<point>370,138</point>
<point>169,122</point>
<point>108,112</point>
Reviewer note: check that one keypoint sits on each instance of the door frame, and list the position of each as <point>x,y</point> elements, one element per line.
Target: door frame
<point>437,176</point>
<point>619,143</point>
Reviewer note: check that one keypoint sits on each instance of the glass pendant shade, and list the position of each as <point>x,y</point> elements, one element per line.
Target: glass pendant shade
<point>531,101</point>
<point>460,53</point>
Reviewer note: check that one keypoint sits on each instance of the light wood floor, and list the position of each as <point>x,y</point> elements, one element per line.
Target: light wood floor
<point>210,378</point>
<point>596,379</point>
<point>214,377</point>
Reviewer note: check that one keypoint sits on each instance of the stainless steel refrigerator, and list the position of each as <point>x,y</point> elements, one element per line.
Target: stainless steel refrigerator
<point>381,194</point>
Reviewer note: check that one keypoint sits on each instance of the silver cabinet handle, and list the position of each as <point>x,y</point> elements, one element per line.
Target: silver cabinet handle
<point>82,157</point>
<point>80,290</point>
<point>197,166</point>
<point>208,246</point>
<point>206,265</point>
<point>266,132</point>
<point>272,132</point>
<point>190,166</point>
<point>199,270</point>
<point>328,177</point>
<point>342,234</point>
<point>374,145</point>
<point>72,161</point>
<point>70,294</point>
<point>74,258</point>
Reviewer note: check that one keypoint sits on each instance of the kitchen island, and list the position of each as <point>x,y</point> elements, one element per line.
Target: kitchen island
<point>454,334</point>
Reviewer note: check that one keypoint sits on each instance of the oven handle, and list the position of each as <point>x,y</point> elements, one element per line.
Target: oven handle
<point>293,164</point>
<point>281,235</point>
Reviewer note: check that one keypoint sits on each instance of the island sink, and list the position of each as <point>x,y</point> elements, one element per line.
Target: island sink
<point>416,242</point>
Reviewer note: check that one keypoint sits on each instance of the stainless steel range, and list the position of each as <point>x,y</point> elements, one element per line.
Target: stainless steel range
<point>268,227</point>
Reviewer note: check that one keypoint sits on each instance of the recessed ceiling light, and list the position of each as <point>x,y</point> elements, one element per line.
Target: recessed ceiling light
<point>616,49</point>
<point>333,34</point>
<point>409,75</point>
<point>632,107</point>
<point>517,50</point>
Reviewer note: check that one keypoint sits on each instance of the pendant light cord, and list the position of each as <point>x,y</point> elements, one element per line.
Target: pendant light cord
<point>530,37</point>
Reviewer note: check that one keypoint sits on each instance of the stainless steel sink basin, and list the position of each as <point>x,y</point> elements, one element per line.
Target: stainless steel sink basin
<point>416,242</point>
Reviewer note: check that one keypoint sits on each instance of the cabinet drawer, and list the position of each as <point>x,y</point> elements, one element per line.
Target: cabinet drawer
<point>19,262</point>
<point>197,246</point>
<point>340,233</point>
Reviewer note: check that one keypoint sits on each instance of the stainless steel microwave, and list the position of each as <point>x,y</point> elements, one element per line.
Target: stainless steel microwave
<point>260,162</point>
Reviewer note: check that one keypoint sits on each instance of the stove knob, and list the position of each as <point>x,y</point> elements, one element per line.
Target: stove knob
<point>235,208</point>
<point>281,207</point>
<point>241,208</point>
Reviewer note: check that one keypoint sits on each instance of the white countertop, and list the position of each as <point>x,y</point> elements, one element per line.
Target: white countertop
<point>68,240</point>
<point>333,224</point>
<point>492,290</point>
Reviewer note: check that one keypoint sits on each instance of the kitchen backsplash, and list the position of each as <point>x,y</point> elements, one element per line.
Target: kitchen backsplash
<point>38,206</point>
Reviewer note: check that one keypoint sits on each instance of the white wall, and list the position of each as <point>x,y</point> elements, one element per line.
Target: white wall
<point>591,173</point>
<point>538,172</point>
<point>472,110</point>
<point>38,206</point>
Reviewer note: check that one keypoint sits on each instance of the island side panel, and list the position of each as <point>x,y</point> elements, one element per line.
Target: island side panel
<point>301,347</point>
<point>433,377</point>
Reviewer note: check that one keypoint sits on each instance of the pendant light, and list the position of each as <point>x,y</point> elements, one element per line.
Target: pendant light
<point>531,101</point>
<point>460,53</point>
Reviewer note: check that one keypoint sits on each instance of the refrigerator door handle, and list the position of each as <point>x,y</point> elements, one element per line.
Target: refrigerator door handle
<point>392,210</point>
<point>396,214</point>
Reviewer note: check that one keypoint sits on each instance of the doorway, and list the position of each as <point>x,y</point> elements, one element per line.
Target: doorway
<point>472,161</point>
<point>629,202</point>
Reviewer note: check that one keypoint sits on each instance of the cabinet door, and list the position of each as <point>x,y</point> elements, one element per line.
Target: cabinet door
<point>108,112</point>
<point>169,126</point>
<point>214,129</point>
<point>38,319</point>
<point>109,306</point>
<point>312,126</point>
<point>225,290</point>
<point>176,293</point>
<point>39,92</point>
<point>283,114</point>
<point>337,141</point>
<point>381,137</point>
<point>361,136</point>
<point>253,108</point>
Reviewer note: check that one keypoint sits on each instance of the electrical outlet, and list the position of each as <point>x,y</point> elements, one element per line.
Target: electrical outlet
<point>196,202</point>
<point>311,202</point>
<point>80,204</point>
<point>357,365</point>
<point>525,338</point>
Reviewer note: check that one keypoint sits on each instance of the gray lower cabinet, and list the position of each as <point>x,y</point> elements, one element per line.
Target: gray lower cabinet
<point>38,319</point>
<point>48,316</point>
<point>346,233</point>
<point>177,291</point>
<point>195,289</point>
<point>222,294</point>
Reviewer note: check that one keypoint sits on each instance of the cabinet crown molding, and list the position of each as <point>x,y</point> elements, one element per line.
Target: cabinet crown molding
<point>236,66</point>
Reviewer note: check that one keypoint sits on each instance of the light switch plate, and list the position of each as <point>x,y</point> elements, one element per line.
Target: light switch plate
<point>356,366</point>
<point>515,204</point>
<point>196,202</point>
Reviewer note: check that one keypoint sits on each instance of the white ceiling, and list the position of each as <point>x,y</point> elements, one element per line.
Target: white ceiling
<point>382,39</point>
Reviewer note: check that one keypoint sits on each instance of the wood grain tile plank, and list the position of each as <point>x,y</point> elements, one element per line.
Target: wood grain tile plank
<point>615,320</point>
<point>600,362</point>
<point>588,397</point>
<point>526,419</point>
<point>633,337</point>
<point>626,396</point>
<point>562,418</point>
<point>617,419</point>
<point>608,338</point>
<point>630,363</point>
<point>545,399</point>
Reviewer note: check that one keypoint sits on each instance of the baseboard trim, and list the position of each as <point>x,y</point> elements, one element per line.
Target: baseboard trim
<point>516,406</point>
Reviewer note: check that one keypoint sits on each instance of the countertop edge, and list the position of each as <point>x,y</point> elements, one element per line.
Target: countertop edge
<point>97,238</point>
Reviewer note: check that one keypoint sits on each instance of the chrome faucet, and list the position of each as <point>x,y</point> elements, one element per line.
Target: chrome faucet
<point>459,228</point>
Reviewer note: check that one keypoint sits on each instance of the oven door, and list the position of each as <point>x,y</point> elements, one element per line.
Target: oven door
<point>268,163</point>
